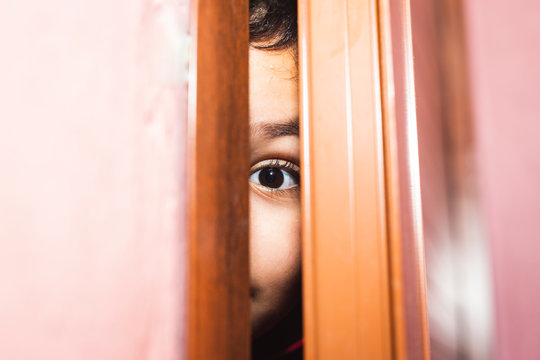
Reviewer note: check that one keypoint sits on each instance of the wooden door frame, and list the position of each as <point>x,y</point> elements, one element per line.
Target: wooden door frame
<point>403,199</point>
<point>218,272</point>
<point>363,265</point>
<point>363,299</point>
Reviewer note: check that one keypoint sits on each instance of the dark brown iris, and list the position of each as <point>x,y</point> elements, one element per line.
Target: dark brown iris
<point>271,177</point>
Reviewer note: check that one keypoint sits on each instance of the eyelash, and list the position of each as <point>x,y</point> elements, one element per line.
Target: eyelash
<point>285,165</point>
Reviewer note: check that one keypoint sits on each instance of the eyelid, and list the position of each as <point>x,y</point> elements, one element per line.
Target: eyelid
<point>276,194</point>
<point>279,163</point>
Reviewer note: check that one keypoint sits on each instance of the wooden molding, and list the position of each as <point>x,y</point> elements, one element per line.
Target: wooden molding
<point>218,312</point>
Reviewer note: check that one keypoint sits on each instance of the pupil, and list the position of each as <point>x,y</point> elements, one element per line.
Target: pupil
<point>271,177</point>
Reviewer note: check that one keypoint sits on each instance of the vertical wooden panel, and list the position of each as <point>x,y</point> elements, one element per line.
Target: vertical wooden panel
<point>364,275</point>
<point>92,213</point>
<point>405,230</point>
<point>219,326</point>
<point>346,288</point>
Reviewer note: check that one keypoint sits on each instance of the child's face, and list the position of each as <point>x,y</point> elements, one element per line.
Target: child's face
<point>275,194</point>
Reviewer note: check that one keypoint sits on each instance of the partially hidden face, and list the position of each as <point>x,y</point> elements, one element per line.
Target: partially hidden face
<point>275,249</point>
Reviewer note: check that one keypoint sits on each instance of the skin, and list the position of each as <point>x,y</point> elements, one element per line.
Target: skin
<point>275,250</point>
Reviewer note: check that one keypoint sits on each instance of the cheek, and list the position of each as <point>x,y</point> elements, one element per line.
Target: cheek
<point>275,244</point>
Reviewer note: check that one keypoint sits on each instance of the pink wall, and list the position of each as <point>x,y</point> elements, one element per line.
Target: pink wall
<point>504,54</point>
<point>92,109</point>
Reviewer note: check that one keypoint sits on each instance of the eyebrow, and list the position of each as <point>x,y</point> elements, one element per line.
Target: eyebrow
<point>274,130</point>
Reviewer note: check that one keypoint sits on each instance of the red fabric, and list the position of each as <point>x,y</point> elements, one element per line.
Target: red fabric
<point>293,347</point>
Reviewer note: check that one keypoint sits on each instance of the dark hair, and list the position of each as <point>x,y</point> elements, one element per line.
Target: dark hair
<point>273,24</point>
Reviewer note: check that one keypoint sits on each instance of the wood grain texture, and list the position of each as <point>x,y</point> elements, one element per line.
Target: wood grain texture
<point>364,287</point>
<point>404,208</point>
<point>219,325</point>
<point>346,279</point>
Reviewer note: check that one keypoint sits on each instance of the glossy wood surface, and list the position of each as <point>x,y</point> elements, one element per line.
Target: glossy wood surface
<point>346,280</point>
<point>404,208</point>
<point>218,318</point>
<point>364,288</point>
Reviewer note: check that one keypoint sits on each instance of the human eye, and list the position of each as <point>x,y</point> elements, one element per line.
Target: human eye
<point>276,175</point>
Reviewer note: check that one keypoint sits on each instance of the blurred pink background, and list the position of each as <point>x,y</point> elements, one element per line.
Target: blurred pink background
<point>93,111</point>
<point>504,59</point>
<point>478,101</point>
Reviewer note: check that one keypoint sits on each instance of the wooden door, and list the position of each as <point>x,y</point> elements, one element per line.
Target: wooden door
<point>218,153</point>
<point>364,292</point>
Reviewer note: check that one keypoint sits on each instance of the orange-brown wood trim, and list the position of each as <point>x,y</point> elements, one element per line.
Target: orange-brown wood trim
<point>364,288</point>
<point>403,200</point>
<point>345,259</point>
<point>218,273</point>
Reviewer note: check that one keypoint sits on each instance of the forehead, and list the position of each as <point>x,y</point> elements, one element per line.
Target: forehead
<point>273,84</point>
